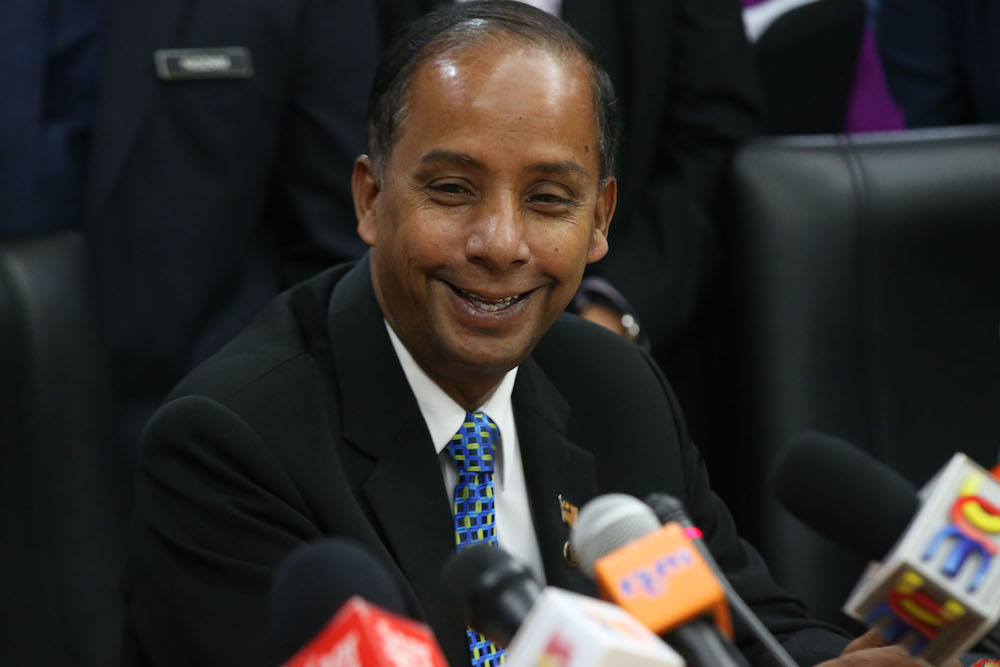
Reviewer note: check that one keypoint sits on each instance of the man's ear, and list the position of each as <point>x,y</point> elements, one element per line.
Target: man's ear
<point>607,199</point>
<point>365,187</point>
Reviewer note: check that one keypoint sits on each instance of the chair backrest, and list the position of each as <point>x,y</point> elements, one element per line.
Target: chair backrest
<point>63,488</point>
<point>865,296</point>
<point>806,62</point>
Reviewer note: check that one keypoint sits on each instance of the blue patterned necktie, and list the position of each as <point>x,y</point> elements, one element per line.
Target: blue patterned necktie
<point>473,448</point>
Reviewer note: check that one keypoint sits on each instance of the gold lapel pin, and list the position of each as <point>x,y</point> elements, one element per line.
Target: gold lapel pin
<point>569,513</point>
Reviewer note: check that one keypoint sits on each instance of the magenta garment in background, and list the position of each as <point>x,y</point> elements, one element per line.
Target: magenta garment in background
<point>870,107</point>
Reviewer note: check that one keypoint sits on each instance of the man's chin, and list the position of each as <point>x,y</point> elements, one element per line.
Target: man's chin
<point>491,354</point>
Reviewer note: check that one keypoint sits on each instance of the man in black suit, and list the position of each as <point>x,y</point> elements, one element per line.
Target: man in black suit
<point>487,188</point>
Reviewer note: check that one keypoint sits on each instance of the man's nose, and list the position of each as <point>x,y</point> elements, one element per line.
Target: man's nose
<point>497,239</point>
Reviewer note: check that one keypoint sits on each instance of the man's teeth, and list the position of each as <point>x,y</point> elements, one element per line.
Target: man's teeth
<point>490,305</point>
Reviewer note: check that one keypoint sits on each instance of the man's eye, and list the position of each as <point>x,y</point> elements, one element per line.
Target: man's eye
<point>449,188</point>
<point>548,198</point>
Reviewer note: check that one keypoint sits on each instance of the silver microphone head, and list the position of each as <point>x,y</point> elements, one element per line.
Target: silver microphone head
<point>607,523</point>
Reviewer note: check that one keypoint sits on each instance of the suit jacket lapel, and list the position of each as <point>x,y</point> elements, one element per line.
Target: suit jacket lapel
<point>554,467</point>
<point>404,492</point>
<point>133,30</point>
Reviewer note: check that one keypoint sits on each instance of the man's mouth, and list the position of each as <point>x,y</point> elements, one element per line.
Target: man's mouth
<point>489,305</point>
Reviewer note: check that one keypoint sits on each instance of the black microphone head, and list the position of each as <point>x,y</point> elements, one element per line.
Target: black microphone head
<point>668,509</point>
<point>845,494</point>
<point>493,591</point>
<point>315,580</point>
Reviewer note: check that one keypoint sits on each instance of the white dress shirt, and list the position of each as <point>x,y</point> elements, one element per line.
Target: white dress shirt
<point>515,528</point>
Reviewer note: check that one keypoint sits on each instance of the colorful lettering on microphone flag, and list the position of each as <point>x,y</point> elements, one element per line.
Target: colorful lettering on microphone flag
<point>972,517</point>
<point>909,610</point>
<point>938,591</point>
<point>986,663</point>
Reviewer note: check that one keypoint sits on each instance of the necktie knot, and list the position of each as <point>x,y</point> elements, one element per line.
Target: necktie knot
<point>474,446</point>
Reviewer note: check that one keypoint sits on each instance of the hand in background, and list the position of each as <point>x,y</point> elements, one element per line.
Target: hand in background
<point>872,650</point>
<point>606,316</point>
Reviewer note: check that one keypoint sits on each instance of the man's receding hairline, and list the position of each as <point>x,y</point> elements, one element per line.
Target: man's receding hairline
<point>498,36</point>
<point>470,27</point>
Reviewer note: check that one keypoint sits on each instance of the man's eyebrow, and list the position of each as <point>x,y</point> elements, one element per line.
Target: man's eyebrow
<point>557,168</point>
<point>441,156</point>
<point>561,168</point>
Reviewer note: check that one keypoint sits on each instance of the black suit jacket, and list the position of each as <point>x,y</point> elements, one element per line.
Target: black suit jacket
<point>206,198</point>
<point>688,95</point>
<point>304,426</point>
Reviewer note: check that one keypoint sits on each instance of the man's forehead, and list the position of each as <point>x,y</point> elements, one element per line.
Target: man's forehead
<point>506,83</point>
<point>462,63</point>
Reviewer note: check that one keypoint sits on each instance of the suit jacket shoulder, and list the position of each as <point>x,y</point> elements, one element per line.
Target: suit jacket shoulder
<point>290,327</point>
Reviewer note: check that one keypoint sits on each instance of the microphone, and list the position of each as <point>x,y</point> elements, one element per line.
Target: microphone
<point>657,575</point>
<point>669,509</point>
<point>936,591</point>
<point>845,494</point>
<point>493,591</point>
<point>332,603</point>
<point>498,596</point>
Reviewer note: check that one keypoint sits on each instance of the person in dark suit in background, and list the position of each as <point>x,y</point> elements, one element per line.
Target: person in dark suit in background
<point>688,95</point>
<point>941,58</point>
<point>219,171</point>
<point>204,149</point>
<point>487,188</point>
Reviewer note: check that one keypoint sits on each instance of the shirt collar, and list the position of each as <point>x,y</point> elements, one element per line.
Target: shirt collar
<point>440,411</point>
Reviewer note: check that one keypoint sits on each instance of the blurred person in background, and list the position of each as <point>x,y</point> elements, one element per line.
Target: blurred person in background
<point>942,59</point>
<point>203,148</point>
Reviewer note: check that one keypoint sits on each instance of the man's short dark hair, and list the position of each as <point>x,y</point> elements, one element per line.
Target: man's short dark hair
<point>461,25</point>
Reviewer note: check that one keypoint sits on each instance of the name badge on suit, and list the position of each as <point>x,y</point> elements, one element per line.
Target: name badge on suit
<point>210,62</point>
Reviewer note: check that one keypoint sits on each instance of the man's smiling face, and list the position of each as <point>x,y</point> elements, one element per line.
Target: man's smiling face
<point>488,209</point>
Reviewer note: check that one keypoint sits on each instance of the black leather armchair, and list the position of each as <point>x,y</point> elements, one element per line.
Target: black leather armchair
<point>865,303</point>
<point>63,488</point>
